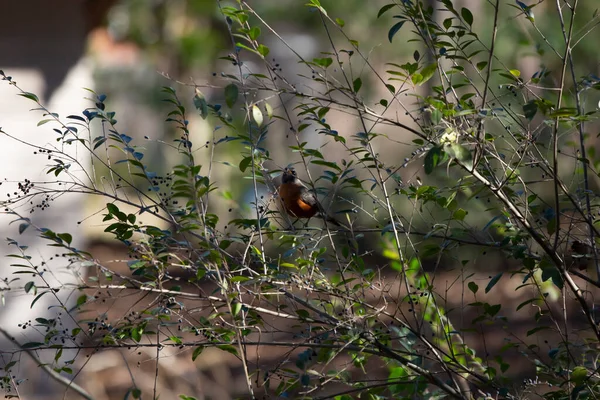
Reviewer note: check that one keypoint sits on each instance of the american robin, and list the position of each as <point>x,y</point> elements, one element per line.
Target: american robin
<point>581,253</point>
<point>298,200</point>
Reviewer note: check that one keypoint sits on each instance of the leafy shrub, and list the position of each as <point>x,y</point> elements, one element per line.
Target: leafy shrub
<point>481,192</point>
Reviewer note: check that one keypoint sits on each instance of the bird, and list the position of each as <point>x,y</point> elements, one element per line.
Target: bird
<point>299,201</point>
<point>581,253</point>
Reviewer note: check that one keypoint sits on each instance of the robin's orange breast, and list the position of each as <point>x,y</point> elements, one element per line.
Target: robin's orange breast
<point>292,199</point>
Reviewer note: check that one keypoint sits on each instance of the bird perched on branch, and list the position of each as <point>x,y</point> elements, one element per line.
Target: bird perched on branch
<point>299,201</point>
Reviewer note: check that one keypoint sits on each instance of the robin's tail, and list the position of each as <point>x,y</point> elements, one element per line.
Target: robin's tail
<point>329,218</point>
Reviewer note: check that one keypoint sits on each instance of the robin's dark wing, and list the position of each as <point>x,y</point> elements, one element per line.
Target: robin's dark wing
<point>305,205</point>
<point>309,197</point>
<point>296,202</point>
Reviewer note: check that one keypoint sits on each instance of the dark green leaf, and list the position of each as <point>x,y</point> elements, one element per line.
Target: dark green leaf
<point>394,29</point>
<point>231,94</point>
<point>433,158</point>
<point>492,310</point>
<point>66,237</point>
<point>385,8</point>
<point>31,345</point>
<point>245,163</point>
<point>197,351</point>
<point>357,84</point>
<point>23,227</point>
<point>467,16</point>
<point>28,286</point>
<point>473,287</point>
<point>228,348</point>
<point>30,96</point>
<point>493,282</point>
<point>553,273</point>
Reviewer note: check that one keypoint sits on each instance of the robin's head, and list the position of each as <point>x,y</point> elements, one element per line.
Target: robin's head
<point>289,175</point>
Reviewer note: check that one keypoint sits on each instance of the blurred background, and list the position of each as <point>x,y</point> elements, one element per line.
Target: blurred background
<point>128,50</point>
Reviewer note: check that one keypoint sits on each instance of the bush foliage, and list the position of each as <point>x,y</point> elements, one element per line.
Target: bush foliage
<point>464,187</point>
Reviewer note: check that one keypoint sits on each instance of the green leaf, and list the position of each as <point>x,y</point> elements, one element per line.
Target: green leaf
<point>461,153</point>
<point>228,348</point>
<point>551,226</point>
<point>385,8</point>
<point>391,254</point>
<point>492,310</point>
<point>467,16</point>
<point>530,109</point>
<point>66,237</point>
<point>81,300</point>
<point>240,278</point>
<point>254,33</point>
<point>329,164</point>
<point>269,110</point>
<point>357,84</point>
<point>257,115</point>
<point>564,112</point>
<point>245,163</point>
<point>493,282</point>
<point>23,227</point>
<point>31,345</point>
<point>136,333</point>
<point>433,158</point>
<point>231,94</point>
<point>473,287</point>
<point>30,96</point>
<point>428,72</point>
<point>554,274</point>
<point>29,286</point>
<point>536,329</point>
<point>436,116</point>
<point>201,104</point>
<point>322,112</point>
<point>39,296</point>
<point>578,375</point>
<point>8,366</point>
<point>323,62</point>
<point>263,50</point>
<point>340,22</point>
<point>417,78</point>
<point>394,29</point>
<point>459,214</point>
<point>237,307</point>
<point>197,351</point>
